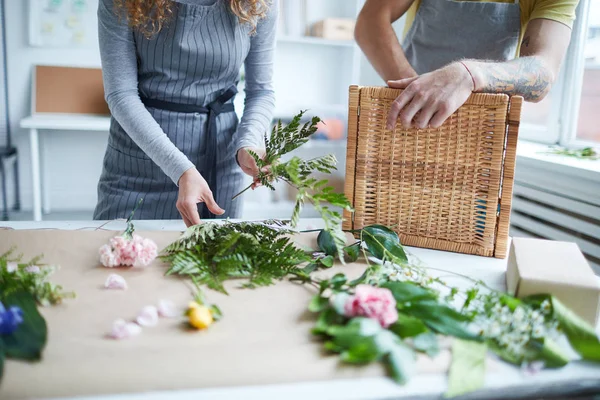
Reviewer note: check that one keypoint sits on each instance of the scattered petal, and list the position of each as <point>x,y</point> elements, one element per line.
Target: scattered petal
<point>148,316</point>
<point>115,281</point>
<point>167,309</point>
<point>122,329</point>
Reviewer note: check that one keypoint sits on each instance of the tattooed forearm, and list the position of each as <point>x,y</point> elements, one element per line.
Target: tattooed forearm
<point>525,76</point>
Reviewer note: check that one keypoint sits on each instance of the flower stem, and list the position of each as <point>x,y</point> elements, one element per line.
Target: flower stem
<point>242,192</point>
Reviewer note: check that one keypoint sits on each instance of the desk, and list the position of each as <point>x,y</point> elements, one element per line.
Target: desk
<point>62,122</point>
<point>505,382</point>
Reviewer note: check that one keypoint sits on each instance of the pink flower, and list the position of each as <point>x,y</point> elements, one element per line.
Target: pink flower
<point>148,316</point>
<point>115,281</point>
<point>146,251</point>
<point>122,329</point>
<point>108,258</point>
<point>372,302</point>
<point>135,252</point>
<point>167,309</point>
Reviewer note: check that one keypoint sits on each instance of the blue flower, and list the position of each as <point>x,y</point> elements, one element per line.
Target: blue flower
<point>10,319</point>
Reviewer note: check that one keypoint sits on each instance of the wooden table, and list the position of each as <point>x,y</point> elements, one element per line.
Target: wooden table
<point>506,382</point>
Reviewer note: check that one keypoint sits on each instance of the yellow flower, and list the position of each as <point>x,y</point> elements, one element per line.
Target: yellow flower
<point>200,317</point>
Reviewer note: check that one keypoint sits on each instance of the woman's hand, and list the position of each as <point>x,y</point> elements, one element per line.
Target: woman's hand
<point>193,189</point>
<point>248,164</point>
<point>429,99</point>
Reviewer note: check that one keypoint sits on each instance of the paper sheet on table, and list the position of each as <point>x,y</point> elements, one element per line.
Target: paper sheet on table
<point>264,337</point>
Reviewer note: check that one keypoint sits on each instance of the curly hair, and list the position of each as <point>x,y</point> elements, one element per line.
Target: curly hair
<point>150,16</point>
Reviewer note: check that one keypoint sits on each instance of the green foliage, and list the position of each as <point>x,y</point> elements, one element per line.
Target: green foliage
<point>581,335</point>
<point>212,253</point>
<point>28,341</point>
<point>297,173</point>
<point>31,277</point>
<point>467,371</point>
<point>383,243</point>
<point>587,153</point>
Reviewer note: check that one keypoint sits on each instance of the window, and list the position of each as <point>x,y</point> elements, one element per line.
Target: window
<point>569,114</point>
<point>588,128</point>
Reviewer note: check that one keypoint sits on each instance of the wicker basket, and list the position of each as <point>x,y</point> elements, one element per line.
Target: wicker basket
<point>448,188</point>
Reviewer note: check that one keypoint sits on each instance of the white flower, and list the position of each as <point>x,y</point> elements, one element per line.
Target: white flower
<point>32,269</point>
<point>519,314</point>
<point>546,306</point>
<point>495,329</point>
<point>12,267</point>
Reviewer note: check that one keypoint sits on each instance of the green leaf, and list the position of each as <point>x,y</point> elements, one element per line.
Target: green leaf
<point>326,243</point>
<point>581,335</point>
<point>548,351</point>
<point>338,281</point>
<point>408,326</point>
<point>427,343</point>
<point>442,319</point>
<point>310,268</point>
<point>409,292</point>
<point>327,262</point>
<point>28,341</point>
<point>339,302</point>
<point>318,304</point>
<point>351,253</point>
<point>467,371</point>
<point>362,351</point>
<point>504,354</point>
<point>401,362</point>
<point>327,318</point>
<point>345,336</point>
<point>383,242</point>
<point>216,312</point>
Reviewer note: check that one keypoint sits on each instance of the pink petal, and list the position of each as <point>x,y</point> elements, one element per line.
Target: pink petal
<point>122,329</point>
<point>115,281</point>
<point>148,316</point>
<point>167,309</point>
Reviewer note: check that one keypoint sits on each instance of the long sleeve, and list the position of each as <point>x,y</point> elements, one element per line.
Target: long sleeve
<point>120,73</point>
<point>260,95</point>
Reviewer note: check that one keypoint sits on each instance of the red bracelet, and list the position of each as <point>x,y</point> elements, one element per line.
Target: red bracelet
<point>469,71</point>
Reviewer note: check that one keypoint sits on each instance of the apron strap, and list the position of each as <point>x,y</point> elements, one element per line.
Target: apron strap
<point>213,110</point>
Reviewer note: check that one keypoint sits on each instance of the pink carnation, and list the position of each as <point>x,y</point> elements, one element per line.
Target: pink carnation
<point>372,302</point>
<point>136,252</point>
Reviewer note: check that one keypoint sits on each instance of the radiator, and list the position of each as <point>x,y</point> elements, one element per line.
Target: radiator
<point>542,210</point>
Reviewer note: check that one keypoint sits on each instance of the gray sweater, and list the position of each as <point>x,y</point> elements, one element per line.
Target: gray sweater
<point>197,81</point>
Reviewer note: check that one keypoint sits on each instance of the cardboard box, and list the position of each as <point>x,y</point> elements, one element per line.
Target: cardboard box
<point>334,29</point>
<point>558,268</point>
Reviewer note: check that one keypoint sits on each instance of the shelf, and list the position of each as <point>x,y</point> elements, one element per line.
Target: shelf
<point>315,41</point>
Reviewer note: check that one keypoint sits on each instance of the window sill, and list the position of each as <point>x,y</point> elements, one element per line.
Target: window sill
<point>535,152</point>
<point>565,175</point>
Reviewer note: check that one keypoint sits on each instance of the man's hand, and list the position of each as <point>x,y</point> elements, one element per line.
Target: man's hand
<point>429,99</point>
<point>248,164</point>
<point>193,189</point>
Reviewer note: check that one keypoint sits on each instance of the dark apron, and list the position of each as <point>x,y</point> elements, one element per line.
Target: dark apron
<point>220,106</point>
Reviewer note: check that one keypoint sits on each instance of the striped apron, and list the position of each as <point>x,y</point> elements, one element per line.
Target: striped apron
<point>187,76</point>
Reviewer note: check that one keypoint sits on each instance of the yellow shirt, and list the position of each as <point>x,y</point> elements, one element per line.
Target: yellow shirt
<point>562,11</point>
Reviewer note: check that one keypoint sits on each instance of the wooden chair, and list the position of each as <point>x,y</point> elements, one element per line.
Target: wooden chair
<point>448,188</point>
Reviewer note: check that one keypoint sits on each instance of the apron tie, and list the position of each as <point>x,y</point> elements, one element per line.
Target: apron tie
<point>213,110</point>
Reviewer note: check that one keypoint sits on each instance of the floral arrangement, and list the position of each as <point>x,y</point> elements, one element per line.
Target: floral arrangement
<point>396,309</point>
<point>128,249</point>
<point>25,285</point>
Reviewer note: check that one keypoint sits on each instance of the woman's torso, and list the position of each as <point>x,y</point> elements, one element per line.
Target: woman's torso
<point>195,57</point>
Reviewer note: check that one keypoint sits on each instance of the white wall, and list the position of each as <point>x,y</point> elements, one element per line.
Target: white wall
<point>74,159</point>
